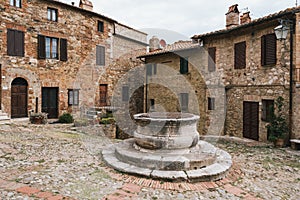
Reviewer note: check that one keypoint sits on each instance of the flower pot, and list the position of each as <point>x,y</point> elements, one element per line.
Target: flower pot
<point>279,143</point>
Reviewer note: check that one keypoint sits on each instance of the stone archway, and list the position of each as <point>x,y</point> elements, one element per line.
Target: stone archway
<point>19,98</point>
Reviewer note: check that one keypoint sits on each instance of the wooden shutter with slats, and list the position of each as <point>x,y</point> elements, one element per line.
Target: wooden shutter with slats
<point>10,42</point>
<point>63,50</point>
<point>240,55</point>
<point>100,55</point>
<point>268,50</point>
<point>41,47</point>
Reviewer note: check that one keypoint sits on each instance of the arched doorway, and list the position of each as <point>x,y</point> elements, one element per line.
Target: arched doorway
<point>19,98</point>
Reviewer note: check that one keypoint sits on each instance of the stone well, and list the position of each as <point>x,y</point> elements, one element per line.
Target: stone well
<point>167,146</point>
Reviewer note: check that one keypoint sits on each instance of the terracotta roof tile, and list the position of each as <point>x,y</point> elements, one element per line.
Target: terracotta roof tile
<point>177,46</point>
<point>253,22</point>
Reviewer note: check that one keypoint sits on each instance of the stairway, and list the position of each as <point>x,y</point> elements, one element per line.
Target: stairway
<point>4,118</point>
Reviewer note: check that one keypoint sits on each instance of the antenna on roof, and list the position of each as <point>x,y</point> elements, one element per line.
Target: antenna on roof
<point>245,9</point>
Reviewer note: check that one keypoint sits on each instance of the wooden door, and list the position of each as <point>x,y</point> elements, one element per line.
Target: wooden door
<point>251,120</point>
<point>103,94</point>
<point>50,101</point>
<point>19,96</point>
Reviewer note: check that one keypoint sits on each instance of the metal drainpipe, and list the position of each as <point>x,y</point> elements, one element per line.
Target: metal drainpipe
<point>291,77</point>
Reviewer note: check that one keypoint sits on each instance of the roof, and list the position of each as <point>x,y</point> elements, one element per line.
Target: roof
<point>90,12</point>
<point>177,46</point>
<point>267,18</point>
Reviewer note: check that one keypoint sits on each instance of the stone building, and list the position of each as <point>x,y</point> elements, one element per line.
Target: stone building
<point>53,56</point>
<point>240,71</point>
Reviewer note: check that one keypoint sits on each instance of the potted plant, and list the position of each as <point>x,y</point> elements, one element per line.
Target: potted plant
<point>278,127</point>
<point>38,118</point>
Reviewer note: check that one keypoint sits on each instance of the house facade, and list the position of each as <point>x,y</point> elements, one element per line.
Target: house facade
<point>53,56</point>
<point>240,72</point>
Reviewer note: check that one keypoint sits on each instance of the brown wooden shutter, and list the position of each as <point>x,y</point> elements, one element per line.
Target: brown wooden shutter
<point>19,43</point>
<point>63,50</point>
<point>212,59</point>
<point>240,55</point>
<point>268,49</point>
<point>10,42</point>
<point>41,47</point>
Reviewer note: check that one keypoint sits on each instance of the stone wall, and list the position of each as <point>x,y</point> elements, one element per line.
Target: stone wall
<point>79,27</point>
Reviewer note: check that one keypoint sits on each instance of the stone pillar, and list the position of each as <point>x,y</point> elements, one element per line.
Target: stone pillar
<point>154,44</point>
<point>232,16</point>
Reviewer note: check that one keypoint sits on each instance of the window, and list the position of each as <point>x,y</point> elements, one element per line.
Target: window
<point>52,14</point>
<point>212,59</point>
<point>184,65</point>
<point>240,55</point>
<point>100,26</point>
<point>268,50</point>
<point>125,93</point>
<point>211,103</point>
<point>267,110</point>
<point>16,3</point>
<point>184,101</point>
<point>15,43</point>
<point>151,69</point>
<point>73,95</point>
<point>48,48</point>
<point>152,104</point>
<point>100,55</point>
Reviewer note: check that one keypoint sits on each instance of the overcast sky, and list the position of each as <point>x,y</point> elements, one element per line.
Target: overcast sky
<point>184,18</point>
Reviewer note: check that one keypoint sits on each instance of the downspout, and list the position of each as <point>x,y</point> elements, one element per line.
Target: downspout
<point>291,77</point>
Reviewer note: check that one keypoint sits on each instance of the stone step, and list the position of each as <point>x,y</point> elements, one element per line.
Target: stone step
<point>4,118</point>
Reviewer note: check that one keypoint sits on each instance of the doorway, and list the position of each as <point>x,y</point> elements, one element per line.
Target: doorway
<point>19,98</point>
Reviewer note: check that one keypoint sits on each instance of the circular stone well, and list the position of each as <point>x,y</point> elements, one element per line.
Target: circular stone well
<point>166,146</point>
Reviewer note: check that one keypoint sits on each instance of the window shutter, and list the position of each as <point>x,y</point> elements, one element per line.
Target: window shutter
<point>10,42</point>
<point>100,55</point>
<point>184,64</point>
<point>268,50</point>
<point>63,50</point>
<point>263,50</point>
<point>212,59</point>
<point>19,43</point>
<point>41,47</point>
<point>240,55</point>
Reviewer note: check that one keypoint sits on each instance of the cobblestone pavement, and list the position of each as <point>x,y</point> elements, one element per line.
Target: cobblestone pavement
<point>60,162</point>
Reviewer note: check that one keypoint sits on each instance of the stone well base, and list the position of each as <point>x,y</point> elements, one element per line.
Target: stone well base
<point>204,162</point>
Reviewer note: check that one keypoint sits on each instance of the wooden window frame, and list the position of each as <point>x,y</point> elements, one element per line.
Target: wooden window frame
<point>100,26</point>
<point>267,110</point>
<point>73,100</point>
<point>268,50</point>
<point>51,16</point>
<point>240,55</point>
<point>53,52</point>
<point>211,103</point>
<point>15,43</point>
<point>16,3</point>
<point>211,66</point>
<point>184,65</point>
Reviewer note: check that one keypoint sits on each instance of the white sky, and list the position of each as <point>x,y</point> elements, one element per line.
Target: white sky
<point>183,19</point>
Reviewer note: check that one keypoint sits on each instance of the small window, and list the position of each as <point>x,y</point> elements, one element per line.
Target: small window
<point>100,26</point>
<point>51,48</point>
<point>52,14</point>
<point>152,104</point>
<point>73,95</point>
<point>125,93</point>
<point>184,101</point>
<point>240,55</point>
<point>100,55</point>
<point>15,43</point>
<point>16,3</point>
<point>184,65</point>
<point>212,59</point>
<point>267,110</point>
<point>151,69</point>
<point>268,50</point>
<point>211,103</point>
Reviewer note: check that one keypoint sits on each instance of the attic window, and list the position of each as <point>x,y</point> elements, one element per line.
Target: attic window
<point>16,3</point>
<point>100,26</point>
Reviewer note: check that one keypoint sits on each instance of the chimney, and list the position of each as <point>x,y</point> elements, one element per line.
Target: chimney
<point>154,44</point>
<point>86,4</point>
<point>73,3</point>
<point>245,18</point>
<point>232,16</point>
